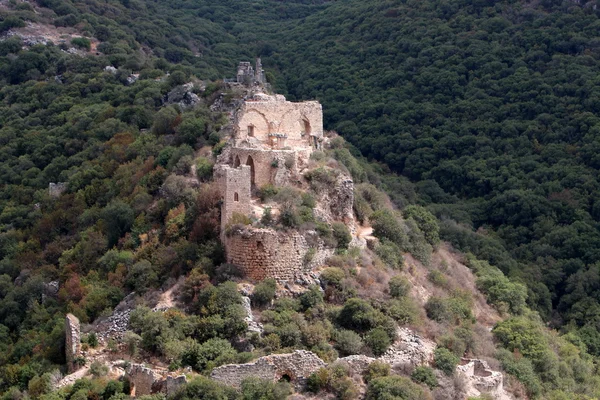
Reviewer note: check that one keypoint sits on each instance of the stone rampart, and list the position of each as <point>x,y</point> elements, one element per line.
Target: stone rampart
<point>72,342</point>
<point>267,253</point>
<point>296,366</point>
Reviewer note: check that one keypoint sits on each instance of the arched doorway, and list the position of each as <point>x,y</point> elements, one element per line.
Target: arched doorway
<point>250,162</point>
<point>236,162</point>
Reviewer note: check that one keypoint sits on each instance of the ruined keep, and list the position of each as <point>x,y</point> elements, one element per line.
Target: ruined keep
<point>246,75</point>
<point>271,145</point>
<point>72,342</point>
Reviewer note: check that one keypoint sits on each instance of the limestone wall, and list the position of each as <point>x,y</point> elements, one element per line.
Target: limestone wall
<point>235,185</point>
<point>72,342</point>
<point>277,123</point>
<point>296,366</point>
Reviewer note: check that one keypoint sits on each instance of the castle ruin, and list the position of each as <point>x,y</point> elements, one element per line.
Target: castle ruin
<point>271,144</point>
<point>246,75</point>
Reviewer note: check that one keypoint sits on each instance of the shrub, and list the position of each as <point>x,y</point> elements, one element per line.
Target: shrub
<point>426,221</point>
<point>311,298</point>
<point>376,369</point>
<point>98,369</point>
<point>348,342</point>
<point>398,286</point>
<point>403,310</point>
<point>390,254</point>
<point>267,192</point>
<point>267,217</point>
<point>204,169</point>
<point>437,278</point>
<point>82,43</point>
<point>341,234</point>
<point>332,276</point>
<point>264,292</point>
<point>386,226</point>
<point>378,340</point>
<point>358,314</point>
<point>255,388</point>
<point>318,380</point>
<point>437,309</point>
<point>425,375</point>
<point>445,360</point>
<point>394,387</point>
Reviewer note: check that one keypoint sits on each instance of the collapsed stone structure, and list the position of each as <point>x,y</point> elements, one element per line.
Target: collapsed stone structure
<point>480,378</point>
<point>271,144</point>
<point>145,381</point>
<point>246,75</point>
<point>72,342</point>
<point>56,189</point>
<point>295,367</point>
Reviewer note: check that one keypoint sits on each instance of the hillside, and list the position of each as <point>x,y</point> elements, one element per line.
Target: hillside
<point>478,120</point>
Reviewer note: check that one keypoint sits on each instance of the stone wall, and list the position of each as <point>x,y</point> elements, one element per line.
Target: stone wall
<point>72,342</point>
<point>269,166</point>
<point>296,366</point>
<point>277,123</point>
<point>56,189</point>
<point>480,378</point>
<point>235,186</point>
<point>267,253</point>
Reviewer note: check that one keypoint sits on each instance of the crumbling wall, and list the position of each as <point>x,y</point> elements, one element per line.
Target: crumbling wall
<point>143,380</point>
<point>266,253</point>
<point>72,342</point>
<point>296,366</point>
<point>56,189</point>
<point>480,378</point>
<point>235,184</point>
<point>277,123</point>
<point>275,167</point>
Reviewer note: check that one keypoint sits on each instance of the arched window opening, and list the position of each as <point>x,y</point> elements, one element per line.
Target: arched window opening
<point>250,130</point>
<point>250,162</point>
<point>236,197</point>
<point>236,162</point>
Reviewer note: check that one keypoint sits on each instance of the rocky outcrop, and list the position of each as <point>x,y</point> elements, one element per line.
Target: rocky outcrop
<point>409,348</point>
<point>253,326</point>
<point>296,367</point>
<point>115,325</point>
<point>72,342</point>
<point>183,96</point>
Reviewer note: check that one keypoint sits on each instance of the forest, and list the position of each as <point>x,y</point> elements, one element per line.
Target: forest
<point>484,114</point>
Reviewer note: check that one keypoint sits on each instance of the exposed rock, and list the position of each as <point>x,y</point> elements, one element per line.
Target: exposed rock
<point>183,96</point>
<point>111,69</point>
<point>409,348</point>
<point>296,366</point>
<point>56,189</point>
<point>115,325</point>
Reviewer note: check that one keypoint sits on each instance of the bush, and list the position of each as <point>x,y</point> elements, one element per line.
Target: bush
<point>425,375</point>
<point>438,310</point>
<point>254,388</point>
<point>390,254</point>
<point>264,292</point>
<point>98,369</point>
<point>403,310</point>
<point>445,360</point>
<point>204,169</point>
<point>398,286</point>
<point>318,380</point>
<point>378,340</point>
<point>311,298</point>
<point>394,387</point>
<point>332,276</point>
<point>376,369</point>
<point>341,234</point>
<point>386,226</point>
<point>348,342</point>
<point>358,314</point>
<point>267,192</point>
<point>426,221</point>
<point>437,278</point>
<point>82,43</point>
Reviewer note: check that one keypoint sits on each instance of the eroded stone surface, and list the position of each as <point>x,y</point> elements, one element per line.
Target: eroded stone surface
<point>296,366</point>
<point>72,342</point>
<point>480,378</point>
<point>409,348</point>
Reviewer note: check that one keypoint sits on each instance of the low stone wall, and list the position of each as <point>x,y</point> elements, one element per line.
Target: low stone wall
<point>480,378</point>
<point>296,366</point>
